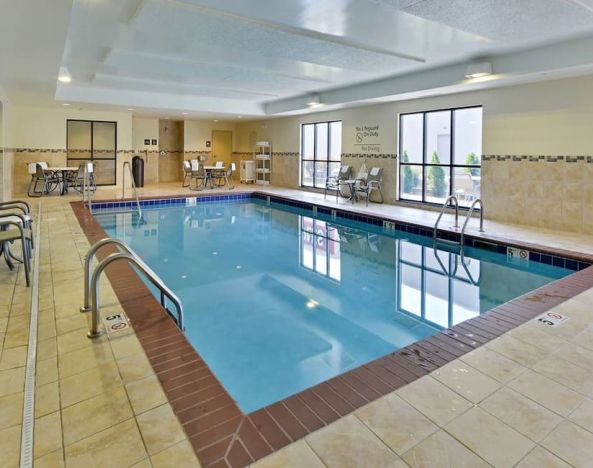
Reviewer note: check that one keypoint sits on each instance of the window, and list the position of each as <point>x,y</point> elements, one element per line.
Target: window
<point>320,248</point>
<point>440,155</point>
<point>95,141</point>
<point>321,152</point>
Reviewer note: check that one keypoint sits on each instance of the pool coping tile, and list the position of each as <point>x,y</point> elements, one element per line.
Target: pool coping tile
<point>221,434</point>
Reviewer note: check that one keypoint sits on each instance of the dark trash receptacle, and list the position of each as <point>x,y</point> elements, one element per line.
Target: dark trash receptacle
<point>138,171</point>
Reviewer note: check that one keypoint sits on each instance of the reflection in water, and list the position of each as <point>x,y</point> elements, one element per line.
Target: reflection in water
<point>432,285</point>
<point>320,247</point>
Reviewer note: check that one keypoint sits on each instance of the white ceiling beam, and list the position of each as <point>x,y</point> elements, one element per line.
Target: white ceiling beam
<point>110,79</point>
<point>547,62</point>
<point>124,98</point>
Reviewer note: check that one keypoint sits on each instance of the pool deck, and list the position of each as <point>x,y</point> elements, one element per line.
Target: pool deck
<point>519,395</point>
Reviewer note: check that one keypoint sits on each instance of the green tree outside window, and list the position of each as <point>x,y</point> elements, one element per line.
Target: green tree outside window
<point>472,160</point>
<point>409,176</point>
<point>436,177</point>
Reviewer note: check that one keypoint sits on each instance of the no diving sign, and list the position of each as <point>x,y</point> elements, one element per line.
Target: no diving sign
<point>115,323</point>
<point>551,319</point>
<point>521,254</point>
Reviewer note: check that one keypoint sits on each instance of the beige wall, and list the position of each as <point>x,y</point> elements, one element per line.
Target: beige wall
<point>197,132</point>
<point>39,127</point>
<point>552,118</point>
<point>39,134</point>
<point>6,154</point>
<point>142,129</point>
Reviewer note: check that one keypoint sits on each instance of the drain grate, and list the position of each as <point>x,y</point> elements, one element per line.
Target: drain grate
<point>29,397</point>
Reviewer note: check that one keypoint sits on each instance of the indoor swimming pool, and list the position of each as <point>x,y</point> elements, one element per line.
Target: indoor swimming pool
<point>278,299</point>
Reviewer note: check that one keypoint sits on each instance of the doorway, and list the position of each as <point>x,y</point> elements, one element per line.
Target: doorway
<point>222,146</point>
<point>171,134</point>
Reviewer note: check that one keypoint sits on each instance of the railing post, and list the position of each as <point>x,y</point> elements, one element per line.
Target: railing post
<point>467,218</point>
<point>127,163</point>
<point>95,330</point>
<point>444,207</point>
<point>88,262</point>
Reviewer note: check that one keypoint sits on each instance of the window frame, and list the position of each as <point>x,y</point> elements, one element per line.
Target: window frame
<point>92,148</point>
<point>424,165</point>
<point>327,160</point>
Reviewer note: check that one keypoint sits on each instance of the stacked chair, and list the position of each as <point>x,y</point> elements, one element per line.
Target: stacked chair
<point>16,224</point>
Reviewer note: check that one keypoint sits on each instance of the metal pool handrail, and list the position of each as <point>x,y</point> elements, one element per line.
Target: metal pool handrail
<point>130,256</point>
<point>445,206</point>
<point>123,186</point>
<point>469,215</point>
<point>88,262</point>
<point>87,189</point>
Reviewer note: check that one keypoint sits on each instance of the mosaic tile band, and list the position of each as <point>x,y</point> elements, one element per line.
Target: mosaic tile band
<point>249,154</point>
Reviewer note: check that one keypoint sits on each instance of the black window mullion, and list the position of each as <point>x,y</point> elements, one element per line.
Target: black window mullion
<point>302,155</point>
<point>92,141</point>
<point>424,157</point>
<point>314,155</point>
<point>327,155</point>
<point>451,156</point>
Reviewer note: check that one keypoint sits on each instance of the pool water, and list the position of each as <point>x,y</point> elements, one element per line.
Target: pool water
<point>277,301</point>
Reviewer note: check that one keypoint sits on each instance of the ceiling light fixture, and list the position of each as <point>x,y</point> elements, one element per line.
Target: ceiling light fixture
<point>130,109</point>
<point>314,100</point>
<point>239,116</point>
<point>64,76</point>
<point>184,113</point>
<point>66,104</point>
<point>215,120</point>
<point>478,70</point>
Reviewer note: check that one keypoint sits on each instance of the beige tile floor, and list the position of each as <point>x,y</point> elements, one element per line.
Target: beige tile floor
<point>98,402</point>
<point>525,399</point>
<point>488,408</point>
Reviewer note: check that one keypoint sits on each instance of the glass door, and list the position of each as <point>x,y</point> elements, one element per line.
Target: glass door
<point>96,142</point>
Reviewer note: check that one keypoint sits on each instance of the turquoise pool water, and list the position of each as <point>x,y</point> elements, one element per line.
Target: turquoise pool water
<point>277,301</point>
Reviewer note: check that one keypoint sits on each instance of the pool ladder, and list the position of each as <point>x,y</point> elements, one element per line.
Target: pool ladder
<point>123,186</point>
<point>453,199</point>
<point>91,283</point>
<point>87,192</point>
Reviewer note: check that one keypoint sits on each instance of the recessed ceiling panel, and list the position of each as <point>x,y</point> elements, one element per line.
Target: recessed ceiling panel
<point>258,51</point>
<point>509,21</point>
<point>193,27</point>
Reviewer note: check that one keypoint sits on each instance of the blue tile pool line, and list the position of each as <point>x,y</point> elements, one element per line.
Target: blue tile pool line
<point>533,255</point>
<point>179,201</point>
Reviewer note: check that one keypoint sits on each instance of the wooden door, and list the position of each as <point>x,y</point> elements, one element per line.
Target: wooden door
<point>222,146</point>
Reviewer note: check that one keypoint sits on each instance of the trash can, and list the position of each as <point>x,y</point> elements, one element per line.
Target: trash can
<point>138,171</point>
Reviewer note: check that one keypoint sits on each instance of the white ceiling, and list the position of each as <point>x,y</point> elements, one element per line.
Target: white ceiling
<point>217,58</point>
